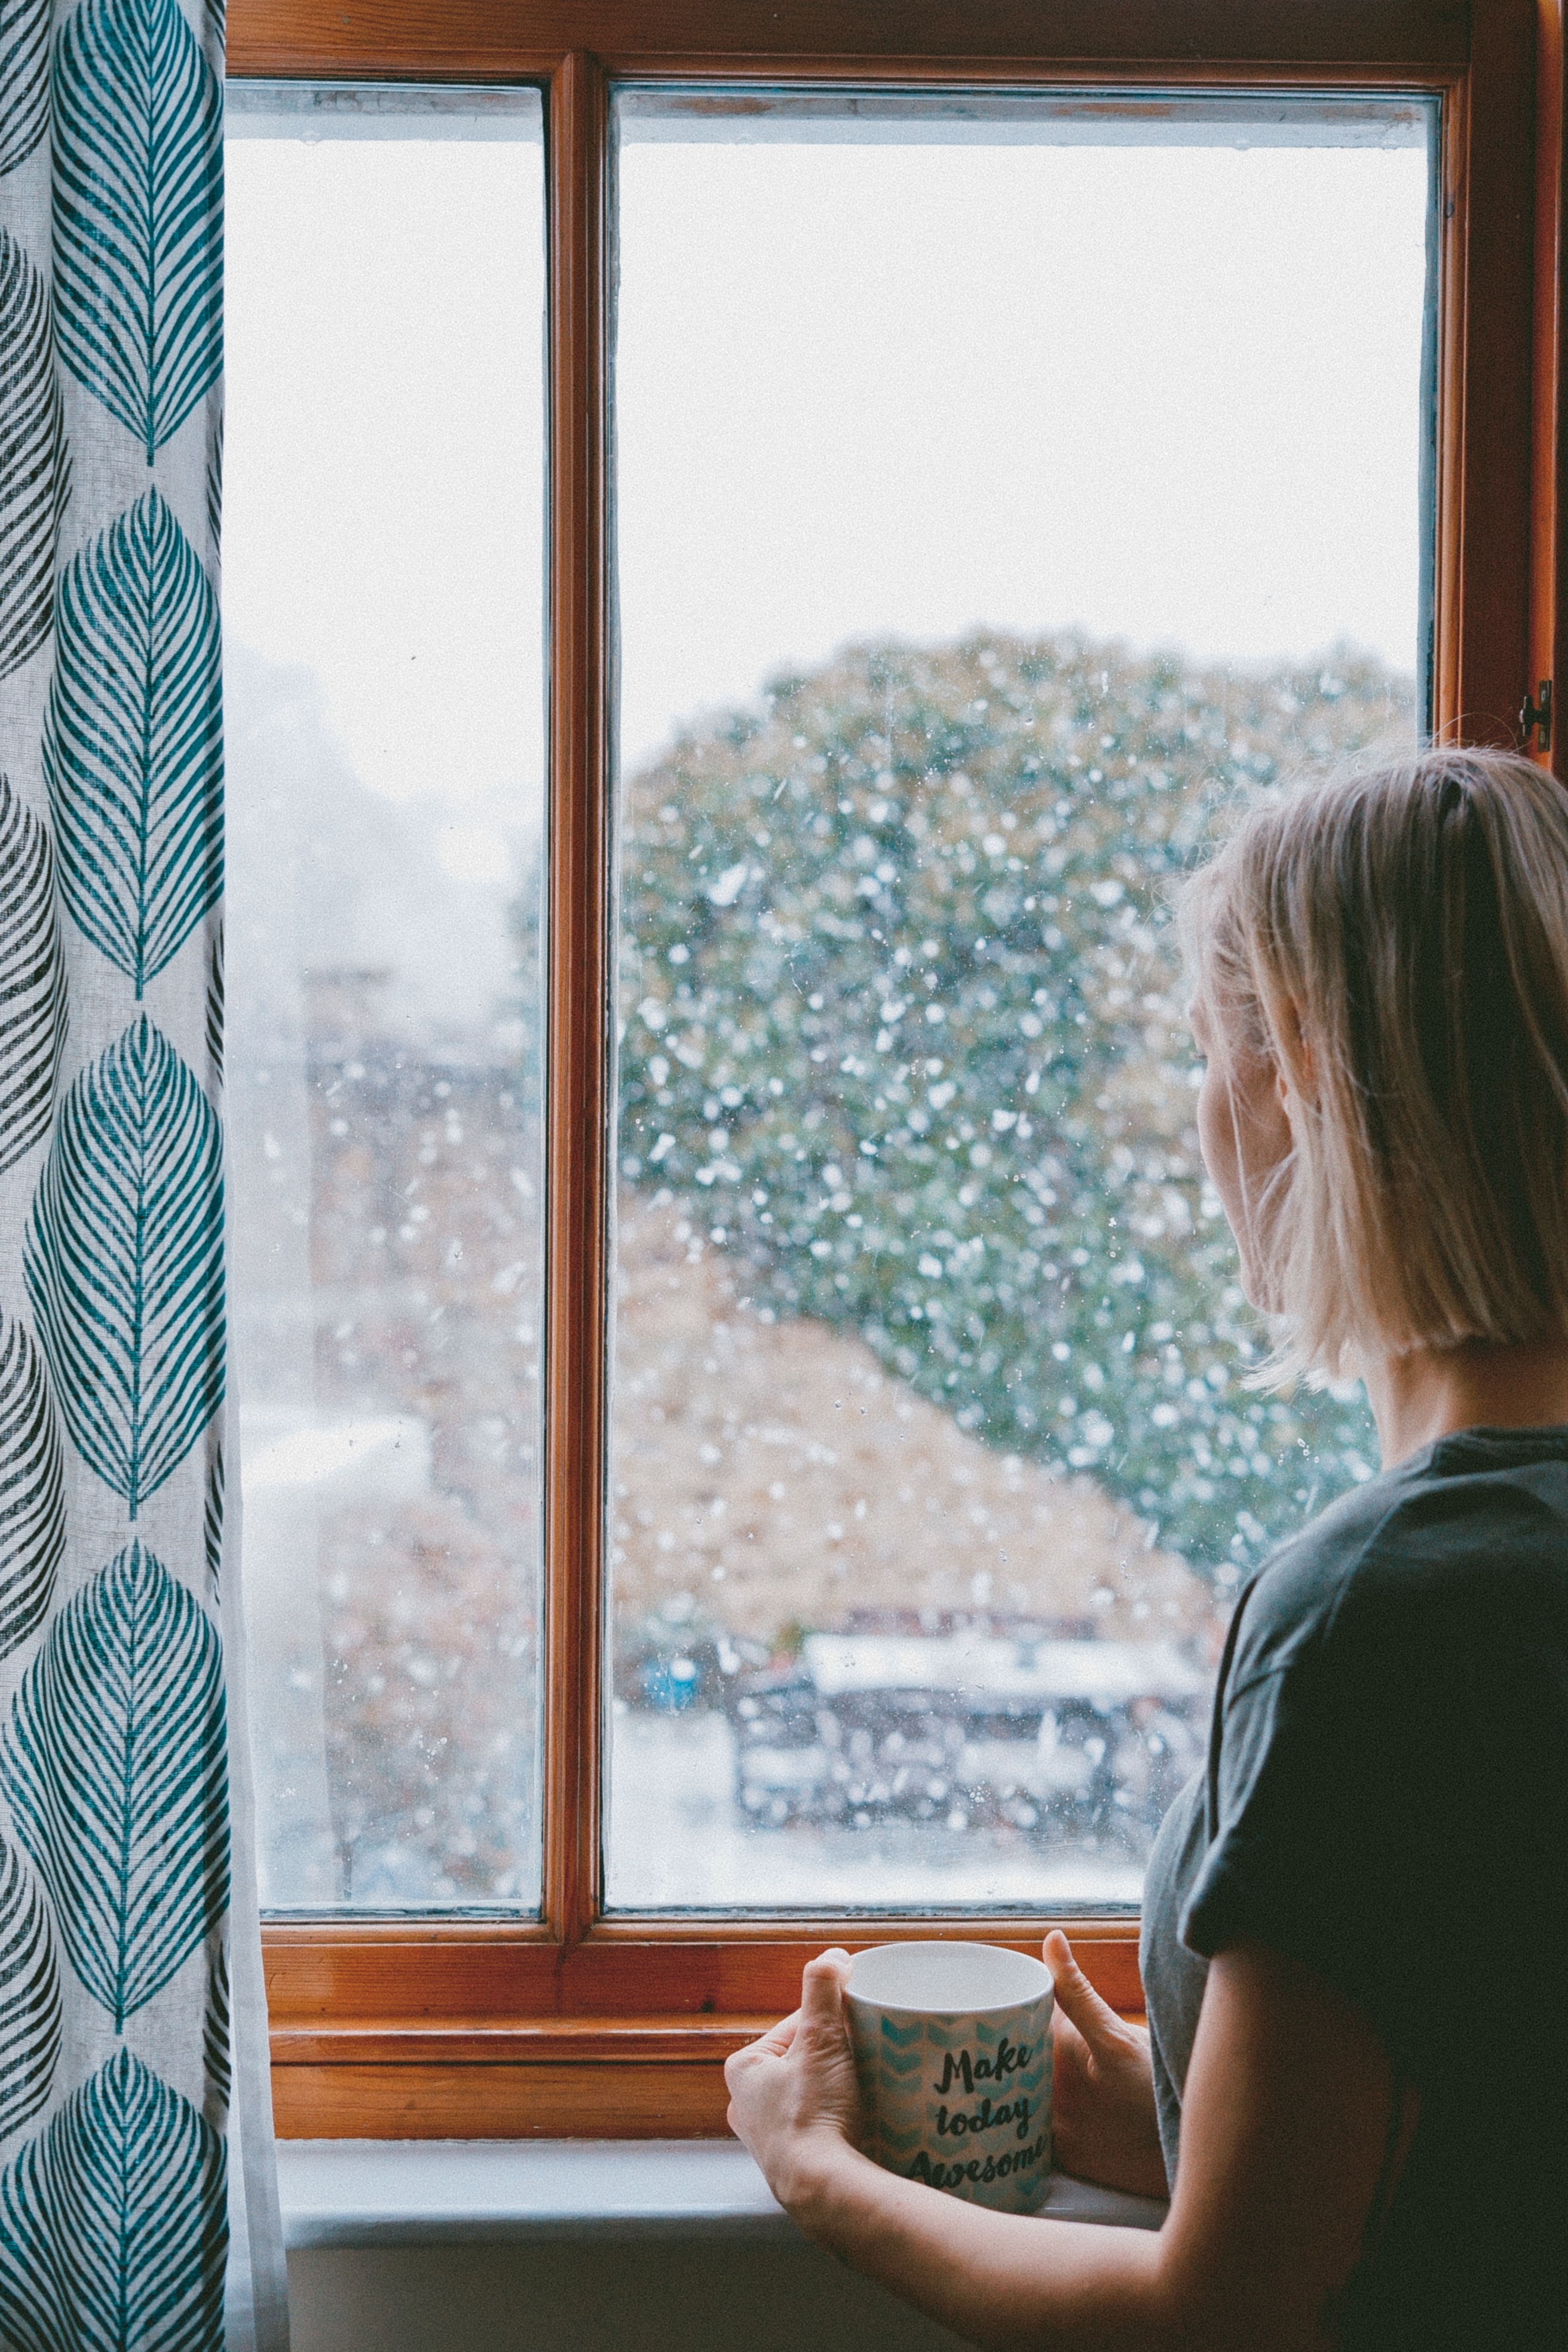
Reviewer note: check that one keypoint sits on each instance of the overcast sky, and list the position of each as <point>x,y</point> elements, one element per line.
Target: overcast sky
<point>1169,393</point>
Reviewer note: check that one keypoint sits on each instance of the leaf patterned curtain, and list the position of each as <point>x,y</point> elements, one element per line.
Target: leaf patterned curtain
<point>137,2205</point>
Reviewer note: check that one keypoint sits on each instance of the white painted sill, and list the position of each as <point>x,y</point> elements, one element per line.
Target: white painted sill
<point>366,2192</point>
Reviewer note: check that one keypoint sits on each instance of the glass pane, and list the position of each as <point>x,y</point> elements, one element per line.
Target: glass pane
<point>382,600</point>
<point>1001,489</point>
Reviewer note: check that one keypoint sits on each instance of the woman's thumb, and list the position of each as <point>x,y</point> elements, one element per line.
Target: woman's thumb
<point>1080,2004</point>
<point>822,1989</point>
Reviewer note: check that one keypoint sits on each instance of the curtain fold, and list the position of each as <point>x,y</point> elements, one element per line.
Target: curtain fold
<point>137,2198</point>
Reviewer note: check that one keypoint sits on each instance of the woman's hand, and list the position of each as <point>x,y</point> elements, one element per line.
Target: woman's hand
<point>1103,2123</point>
<point>794,2099</point>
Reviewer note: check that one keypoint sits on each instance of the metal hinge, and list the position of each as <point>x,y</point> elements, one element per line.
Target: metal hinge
<point>1537,715</point>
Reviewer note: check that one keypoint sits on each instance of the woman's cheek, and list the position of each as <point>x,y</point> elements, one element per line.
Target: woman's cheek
<point>1217,1141</point>
<point>1220,1145</point>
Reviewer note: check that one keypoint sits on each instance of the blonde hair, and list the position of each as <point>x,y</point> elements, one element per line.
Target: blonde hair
<point>1395,943</point>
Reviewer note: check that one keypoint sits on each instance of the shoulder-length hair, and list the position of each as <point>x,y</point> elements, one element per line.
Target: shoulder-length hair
<point>1395,943</point>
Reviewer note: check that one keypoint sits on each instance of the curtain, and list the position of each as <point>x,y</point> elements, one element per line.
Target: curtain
<point>137,2204</point>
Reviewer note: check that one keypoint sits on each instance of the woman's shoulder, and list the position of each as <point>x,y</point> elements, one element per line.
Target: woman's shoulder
<point>1470,1533</point>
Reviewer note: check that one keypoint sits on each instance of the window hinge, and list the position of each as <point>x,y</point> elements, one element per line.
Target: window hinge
<point>1537,715</point>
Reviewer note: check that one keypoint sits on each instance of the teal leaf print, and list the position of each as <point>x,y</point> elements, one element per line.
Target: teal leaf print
<point>31,1500</point>
<point>29,1997</point>
<point>115,1765</point>
<point>123,1263</point>
<point>35,460</point>
<point>214,499</point>
<point>24,78</point>
<point>32,980</point>
<point>212,1528</point>
<point>138,174</point>
<point>217,2063</point>
<point>115,2223</point>
<point>215,1011</point>
<point>133,740</point>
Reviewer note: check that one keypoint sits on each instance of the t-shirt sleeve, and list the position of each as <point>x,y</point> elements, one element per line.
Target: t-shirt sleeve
<point>1367,1781</point>
<point>1299,1847</point>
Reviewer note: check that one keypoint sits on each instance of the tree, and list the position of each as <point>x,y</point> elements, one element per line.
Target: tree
<point>902,1021</point>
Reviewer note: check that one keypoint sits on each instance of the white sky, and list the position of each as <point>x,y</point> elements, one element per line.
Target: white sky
<point>382,459</point>
<point>1168,393</point>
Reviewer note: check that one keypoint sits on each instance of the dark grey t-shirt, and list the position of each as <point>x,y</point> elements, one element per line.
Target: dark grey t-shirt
<point>1386,1799</point>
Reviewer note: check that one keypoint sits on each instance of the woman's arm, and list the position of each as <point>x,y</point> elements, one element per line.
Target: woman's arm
<point>1283,2139</point>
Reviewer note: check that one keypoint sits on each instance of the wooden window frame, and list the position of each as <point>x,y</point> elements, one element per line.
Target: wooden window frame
<point>579,2024</point>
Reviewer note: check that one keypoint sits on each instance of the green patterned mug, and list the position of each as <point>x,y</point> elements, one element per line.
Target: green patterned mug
<point>952,2048</point>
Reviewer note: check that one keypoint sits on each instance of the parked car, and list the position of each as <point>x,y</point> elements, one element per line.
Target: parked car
<point>1077,1739</point>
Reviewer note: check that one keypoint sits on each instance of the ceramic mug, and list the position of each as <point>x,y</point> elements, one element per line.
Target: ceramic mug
<point>952,2048</point>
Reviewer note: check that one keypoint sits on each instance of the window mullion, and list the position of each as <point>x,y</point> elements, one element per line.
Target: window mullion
<point>578,986</point>
<point>1484,401</point>
<point>1549,512</point>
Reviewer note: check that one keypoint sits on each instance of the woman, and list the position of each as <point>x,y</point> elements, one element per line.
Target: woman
<point>1355,1941</point>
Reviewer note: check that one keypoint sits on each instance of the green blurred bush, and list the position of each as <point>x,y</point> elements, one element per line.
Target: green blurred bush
<point>901,1021</point>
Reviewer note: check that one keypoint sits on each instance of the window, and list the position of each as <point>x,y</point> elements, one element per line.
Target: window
<point>932,1475</point>
<point>946,1663</point>
<point>383,608</point>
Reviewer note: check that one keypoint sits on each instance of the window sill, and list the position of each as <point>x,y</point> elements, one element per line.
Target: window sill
<point>366,2193</point>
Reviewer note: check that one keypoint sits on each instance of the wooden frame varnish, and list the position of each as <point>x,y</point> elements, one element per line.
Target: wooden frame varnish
<point>583,2024</point>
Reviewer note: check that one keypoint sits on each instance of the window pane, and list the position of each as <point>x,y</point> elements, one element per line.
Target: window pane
<point>383,601</point>
<point>1002,487</point>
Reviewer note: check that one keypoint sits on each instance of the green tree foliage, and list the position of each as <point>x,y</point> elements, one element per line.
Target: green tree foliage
<point>901,1022</point>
